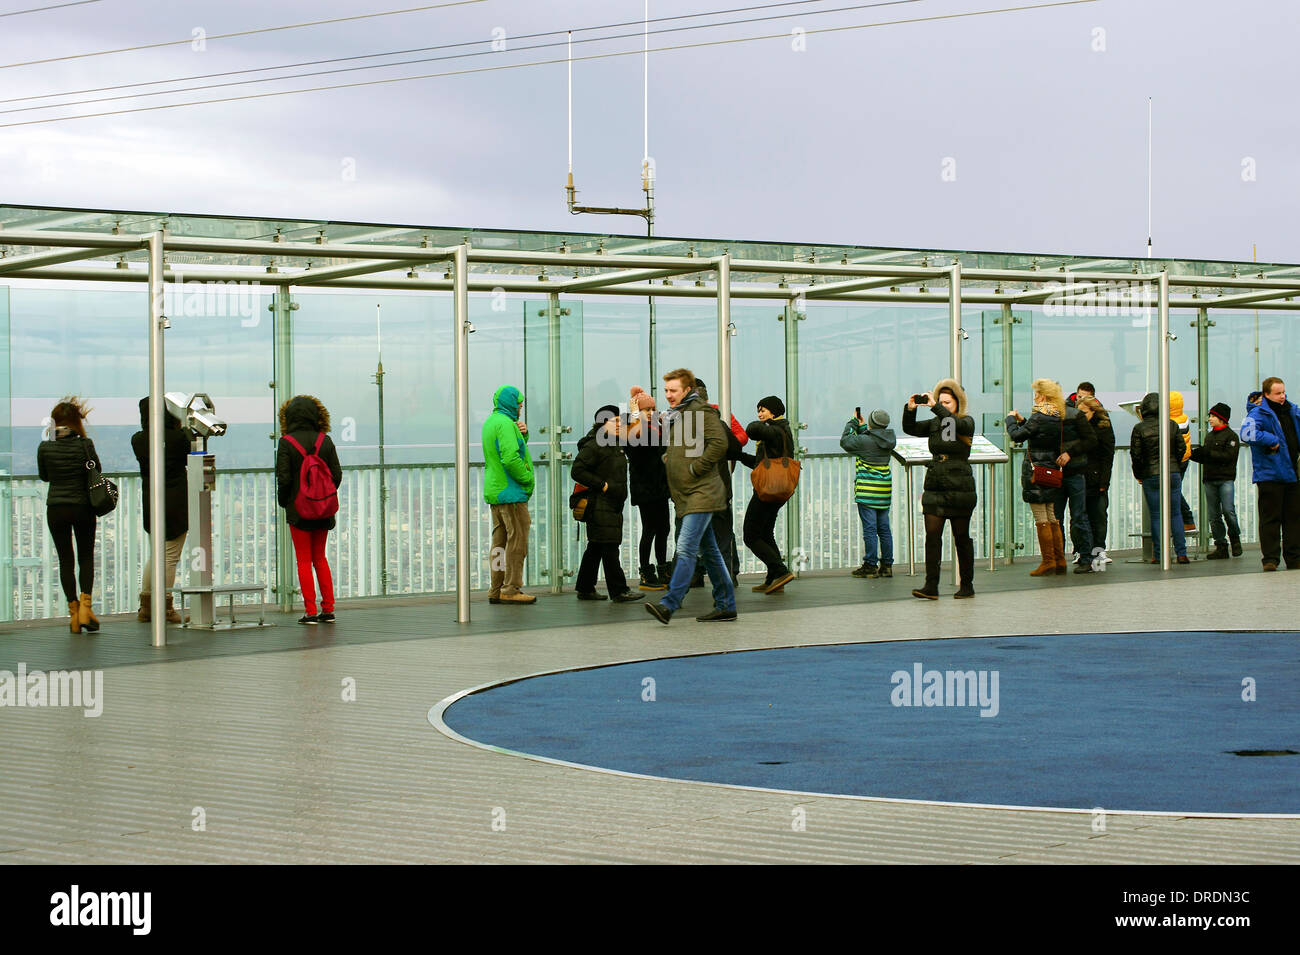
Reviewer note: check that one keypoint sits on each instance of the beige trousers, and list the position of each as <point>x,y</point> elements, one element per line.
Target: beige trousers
<point>173,551</point>
<point>510,523</point>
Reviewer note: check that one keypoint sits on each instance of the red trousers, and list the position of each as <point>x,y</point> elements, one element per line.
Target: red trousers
<point>309,548</point>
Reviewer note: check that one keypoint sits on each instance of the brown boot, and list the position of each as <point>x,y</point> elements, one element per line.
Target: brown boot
<point>145,613</point>
<point>1058,548</point>
<point>88,618</point>
<point>172,615</point>
<point>1047,545</point>
<point>74,616</point>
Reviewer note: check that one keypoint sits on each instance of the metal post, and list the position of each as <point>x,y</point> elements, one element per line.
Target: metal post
<point>911,524</point>
<point>1008,397</point>
<point>794,507</point>
<point>955,333</point>
<point>556,526</point>
<point>281,391</point>
<point>157,473</point>
<point>954,321</point>
<point>460,337</point>
<point>383,480</point>
<point>1165,463</point>
<point>723,395</point>
<point>1203,324</point>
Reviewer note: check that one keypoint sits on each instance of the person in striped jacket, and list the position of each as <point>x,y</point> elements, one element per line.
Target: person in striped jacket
<point>872,440</point>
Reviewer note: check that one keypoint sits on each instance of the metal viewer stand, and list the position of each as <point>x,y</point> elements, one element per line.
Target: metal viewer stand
<point>910,452</point>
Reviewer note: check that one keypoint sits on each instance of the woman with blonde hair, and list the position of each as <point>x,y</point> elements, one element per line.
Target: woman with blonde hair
<point>1044,429</point>
<point>304,430</point>
<point>65,462</point>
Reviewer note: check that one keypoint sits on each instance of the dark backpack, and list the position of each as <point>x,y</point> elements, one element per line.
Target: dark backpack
<point>318,497</point>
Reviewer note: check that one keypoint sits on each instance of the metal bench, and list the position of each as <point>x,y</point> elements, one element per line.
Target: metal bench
<point>221,591</point>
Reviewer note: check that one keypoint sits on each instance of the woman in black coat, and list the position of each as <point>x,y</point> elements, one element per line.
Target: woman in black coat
<point>62,462</point>
<point>648,482</point>
<point>176,504</point>
<point>949,492</point>
<point>775,441</point>
<point>601,467</point>
<point>1044,430</point>
<point>303,422</point>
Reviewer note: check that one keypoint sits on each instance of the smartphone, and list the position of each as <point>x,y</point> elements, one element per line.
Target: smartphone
<point>920,399</point>
<point>857,413</point>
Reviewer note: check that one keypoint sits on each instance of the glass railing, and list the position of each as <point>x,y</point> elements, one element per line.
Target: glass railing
<point>419,517</point>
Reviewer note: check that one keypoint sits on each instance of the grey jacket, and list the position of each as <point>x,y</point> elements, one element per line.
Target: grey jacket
<point>872,446</point>
<point>697,443</point>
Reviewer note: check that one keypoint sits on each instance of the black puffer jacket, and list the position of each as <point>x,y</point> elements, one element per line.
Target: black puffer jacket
<point>774,437</point>
<point>1080,440</point>
<point>62,462</point>
<point>1144,443</point>
<point>949,481</point>
<point>647,477</point>
<point>1101,461</point>
<point>1218,455</point>
<point>303,423</point>
<point>596,465</point>
<point>176,449</point>
<point>1043,432</point>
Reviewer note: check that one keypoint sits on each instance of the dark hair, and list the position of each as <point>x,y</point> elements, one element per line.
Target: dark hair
<point>322,415</point>
<point>1087,386</point>
<point>70,412</point>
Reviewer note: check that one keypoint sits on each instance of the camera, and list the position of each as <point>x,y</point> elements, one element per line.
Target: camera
<point>920,399</point>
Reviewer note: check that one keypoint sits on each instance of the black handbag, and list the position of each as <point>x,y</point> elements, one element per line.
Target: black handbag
<point>102,491</point>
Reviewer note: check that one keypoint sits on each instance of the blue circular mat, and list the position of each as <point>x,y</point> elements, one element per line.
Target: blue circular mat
<point>1190,722</point>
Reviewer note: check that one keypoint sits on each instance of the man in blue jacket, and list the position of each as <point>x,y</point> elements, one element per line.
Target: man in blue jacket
<point>1272,430</point>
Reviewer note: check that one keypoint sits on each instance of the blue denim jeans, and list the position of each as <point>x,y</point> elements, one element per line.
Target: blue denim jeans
<point>1219,501</point>
<point>697,540</point>
<point>1074,491</point>
<point>1151,490</point>
<point>875,524</point>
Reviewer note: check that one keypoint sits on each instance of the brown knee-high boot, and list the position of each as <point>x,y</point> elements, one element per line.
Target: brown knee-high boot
<point>1058,543</point>
<point>1047,546</point>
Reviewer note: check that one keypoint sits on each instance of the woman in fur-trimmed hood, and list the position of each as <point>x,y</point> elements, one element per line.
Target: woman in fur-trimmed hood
<point>949,493</point>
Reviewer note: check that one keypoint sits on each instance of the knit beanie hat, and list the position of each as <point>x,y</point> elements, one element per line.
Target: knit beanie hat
<point>1223,411</point>
<point>773,404</point>
<point>878,419</point>
<point>644,402</point>
<point>605,412</point>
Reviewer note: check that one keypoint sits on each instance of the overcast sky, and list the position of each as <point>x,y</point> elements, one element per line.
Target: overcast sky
<point>1022,131</point>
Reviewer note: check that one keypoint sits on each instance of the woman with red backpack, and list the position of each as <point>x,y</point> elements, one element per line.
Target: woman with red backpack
<point>307,477</point>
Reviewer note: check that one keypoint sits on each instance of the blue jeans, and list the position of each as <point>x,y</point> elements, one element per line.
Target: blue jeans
<point>1074,491</point>
<point>1219,502</point>
<point>875,524</point>
<point>1151,490</point>
<point>697,540</point>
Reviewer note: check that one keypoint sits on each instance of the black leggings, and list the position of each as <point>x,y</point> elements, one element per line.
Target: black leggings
<point>961,542</point>
<point>654,530</point>
<point>65,520</point>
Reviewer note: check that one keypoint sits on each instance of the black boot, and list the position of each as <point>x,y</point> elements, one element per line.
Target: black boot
<point>866,570</point>
<point>886,570</point>
<point>933,551</point>
<point>966,567</point>
<point>1220,551</point>
<point>665,573</point>
<point>1236,547</point>
<point>650,580</point>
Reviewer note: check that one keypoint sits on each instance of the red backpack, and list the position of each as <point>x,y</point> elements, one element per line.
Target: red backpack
<point>318,497</point>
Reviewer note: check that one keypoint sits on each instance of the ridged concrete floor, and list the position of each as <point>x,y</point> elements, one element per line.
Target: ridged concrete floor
<point>286,771</point>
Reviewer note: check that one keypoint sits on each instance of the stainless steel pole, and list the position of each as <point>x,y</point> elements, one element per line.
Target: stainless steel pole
<point>460,337</point>
<point>555,523</point>
<point>724,337</point>
<point>955,333</point>
<point>157,474</point>
<point>1008,396</point>
<point>794,506</point>
<point>1165,463</point>
<point>1203,324</point>
<point>911,524</point>
<point>282,388</point>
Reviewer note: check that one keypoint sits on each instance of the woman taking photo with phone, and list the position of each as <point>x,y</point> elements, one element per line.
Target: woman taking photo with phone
<point>949,491</point>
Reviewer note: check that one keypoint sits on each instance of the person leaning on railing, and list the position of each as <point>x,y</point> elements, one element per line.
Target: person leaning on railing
<point>62,462</point>
<point>949,490</point>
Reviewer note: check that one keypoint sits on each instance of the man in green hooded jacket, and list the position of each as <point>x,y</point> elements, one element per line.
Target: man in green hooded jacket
<point>507,486</point>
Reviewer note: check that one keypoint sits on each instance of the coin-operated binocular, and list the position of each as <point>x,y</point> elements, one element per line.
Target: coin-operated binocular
<point>197,413</point>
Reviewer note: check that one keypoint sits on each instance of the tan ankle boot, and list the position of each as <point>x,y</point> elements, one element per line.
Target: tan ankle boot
<point>1047,546</point>
<point>87,616</point>
<point>74,616</point>
<point>1058,545</point>
<point>172,615</point>
<point>145,613</point>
